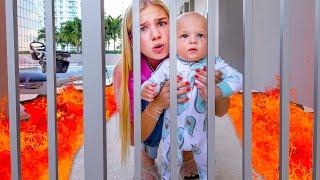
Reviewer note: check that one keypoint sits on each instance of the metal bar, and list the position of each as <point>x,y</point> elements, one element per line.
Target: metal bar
<point>137,87</point>
<point>247,95</point>
<point>94,89</point>
<point>284,88</point>
<point>316,114</point>
<point>212,7</point>
<point>173,91</point>
<point>51,88</point>
<point>13,87</point>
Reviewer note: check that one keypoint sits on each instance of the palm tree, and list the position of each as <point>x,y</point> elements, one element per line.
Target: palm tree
<point>117,30</point>
<point>113,29</point>
<point>59,40</point>
<point>108,32</point>
<point>41,34</point>
<point>70,32</point>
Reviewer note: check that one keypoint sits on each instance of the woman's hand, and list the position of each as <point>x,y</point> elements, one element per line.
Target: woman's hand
<point>202,84</point>
<point>162,100</point>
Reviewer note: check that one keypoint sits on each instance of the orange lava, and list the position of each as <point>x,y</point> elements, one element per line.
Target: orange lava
<point>265,134</point>
<point>34,135</point>
<point>265,131</point>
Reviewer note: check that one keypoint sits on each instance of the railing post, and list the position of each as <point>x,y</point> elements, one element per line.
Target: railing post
<point>173,91</point>
<point>284,87</point>
<point>13,87</point>
<point>51,89</point>
<point>247,89</point>
<point>212,9</point>
<point>94,89</point>
<point>316,114</point>
<point>137,86</point>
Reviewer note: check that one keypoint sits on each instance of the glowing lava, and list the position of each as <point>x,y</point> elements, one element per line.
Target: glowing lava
<point>34,135</point>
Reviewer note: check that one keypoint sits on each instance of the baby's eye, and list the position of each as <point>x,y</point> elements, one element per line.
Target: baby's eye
<point>200,35</point>
<point>184,36</point>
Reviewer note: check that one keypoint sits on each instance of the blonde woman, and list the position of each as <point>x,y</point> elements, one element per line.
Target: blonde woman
<point>154,43</point>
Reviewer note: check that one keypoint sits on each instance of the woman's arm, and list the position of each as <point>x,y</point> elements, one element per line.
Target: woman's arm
<point>152,112</point>
<point>117,84</point>
<point>148,122</point>
<point>161,102</point>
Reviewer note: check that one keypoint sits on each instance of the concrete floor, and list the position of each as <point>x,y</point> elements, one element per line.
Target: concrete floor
<point>228,154</point>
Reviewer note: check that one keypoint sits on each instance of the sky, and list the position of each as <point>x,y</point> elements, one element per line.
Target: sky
<point>112,7</point>
<point>115,8</point>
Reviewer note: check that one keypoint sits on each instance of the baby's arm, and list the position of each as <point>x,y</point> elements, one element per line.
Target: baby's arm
<point>151,87</point>
<point>231,78</point>
<point>148,91</point>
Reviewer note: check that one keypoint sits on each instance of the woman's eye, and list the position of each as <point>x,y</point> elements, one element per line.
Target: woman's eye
<point>161,23</point>
<point>143,29</point>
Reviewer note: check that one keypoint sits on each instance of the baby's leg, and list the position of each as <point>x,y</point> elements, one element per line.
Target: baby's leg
<point>166,165</point>
<point>200,156</point>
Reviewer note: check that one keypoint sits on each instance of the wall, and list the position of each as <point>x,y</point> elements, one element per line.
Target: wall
<point>231,33</point>
<point>266,43</point>
<point>266,51</point>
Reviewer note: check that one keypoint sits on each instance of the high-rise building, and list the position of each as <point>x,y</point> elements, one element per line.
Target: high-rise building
<point>66,10</point>
<point>30,20</point>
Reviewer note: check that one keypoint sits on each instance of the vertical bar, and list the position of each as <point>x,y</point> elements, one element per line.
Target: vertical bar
<point>137,87</point>
<point>13,88</point>
<point>51,89</point>
<point>212,7</point>
<point>284,88</point>
<point>316,115</point>
<point>173,91</point>
<point>94,85</point>
<point>247,95</point>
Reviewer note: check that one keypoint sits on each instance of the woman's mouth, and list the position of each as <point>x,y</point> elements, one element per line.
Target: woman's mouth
<point>158,48</point>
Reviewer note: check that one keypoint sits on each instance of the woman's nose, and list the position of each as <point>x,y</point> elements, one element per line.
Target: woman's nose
<point>155,34</point>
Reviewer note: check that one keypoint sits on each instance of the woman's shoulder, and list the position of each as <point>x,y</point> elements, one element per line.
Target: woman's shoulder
<point>117,70</point>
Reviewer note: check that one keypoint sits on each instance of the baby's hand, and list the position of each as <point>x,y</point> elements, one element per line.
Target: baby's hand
<point>148,92</point>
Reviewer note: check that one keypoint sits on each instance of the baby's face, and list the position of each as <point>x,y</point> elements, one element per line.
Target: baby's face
<point>191,37</point>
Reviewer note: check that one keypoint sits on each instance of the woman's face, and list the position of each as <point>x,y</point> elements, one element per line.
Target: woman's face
<point>154,32</point>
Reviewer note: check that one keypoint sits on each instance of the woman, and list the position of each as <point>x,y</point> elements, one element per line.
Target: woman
<point>154,43</point>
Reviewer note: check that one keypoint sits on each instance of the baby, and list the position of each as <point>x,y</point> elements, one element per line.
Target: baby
<point>191,116</point>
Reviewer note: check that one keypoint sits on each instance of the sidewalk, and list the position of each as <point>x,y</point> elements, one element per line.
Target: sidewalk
<point>228,154</point>
<point>115,172</point>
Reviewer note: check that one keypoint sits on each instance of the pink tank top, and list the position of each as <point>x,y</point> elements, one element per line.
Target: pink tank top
<point>145,75</point>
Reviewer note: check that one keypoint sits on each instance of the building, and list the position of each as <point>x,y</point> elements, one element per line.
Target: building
<point>30,20</point>
<point>66,10</point>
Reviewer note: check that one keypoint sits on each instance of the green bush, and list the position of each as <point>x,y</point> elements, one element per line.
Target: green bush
<point>113,52</point>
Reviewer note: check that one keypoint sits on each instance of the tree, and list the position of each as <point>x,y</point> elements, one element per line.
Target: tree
<point>113,30</point>
<point>70,32</point>
<point>108,33</point>
<point>41,34</point>
<point>59,40</point>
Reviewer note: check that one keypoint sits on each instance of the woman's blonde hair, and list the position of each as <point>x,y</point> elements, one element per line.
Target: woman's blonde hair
<point>126,130</point>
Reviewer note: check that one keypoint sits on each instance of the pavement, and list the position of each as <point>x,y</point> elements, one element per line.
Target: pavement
<point>228,154</point>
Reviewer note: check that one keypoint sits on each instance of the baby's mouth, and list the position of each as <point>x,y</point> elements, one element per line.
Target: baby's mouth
<point>192,49</point>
